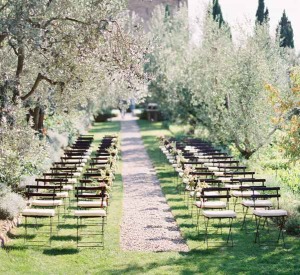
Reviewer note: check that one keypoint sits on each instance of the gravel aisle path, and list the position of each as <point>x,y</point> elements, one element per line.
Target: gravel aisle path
<point>147,224</point>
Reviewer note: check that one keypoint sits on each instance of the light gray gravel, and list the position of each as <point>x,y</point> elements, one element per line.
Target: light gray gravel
<point>147,223</point>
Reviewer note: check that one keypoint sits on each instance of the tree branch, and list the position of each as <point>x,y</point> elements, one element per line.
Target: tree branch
<point>13,47</point>
<point>4,6</point>
<point>48,22</point>
<point>39,78</point>
<point>2,37</point>
<point>21,58</point>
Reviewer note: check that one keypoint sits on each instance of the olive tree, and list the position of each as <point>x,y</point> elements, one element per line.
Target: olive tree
<point>221,83</point>
<point>62,59</point>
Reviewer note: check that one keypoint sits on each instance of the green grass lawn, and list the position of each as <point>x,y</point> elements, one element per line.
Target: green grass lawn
<point>63,257</point>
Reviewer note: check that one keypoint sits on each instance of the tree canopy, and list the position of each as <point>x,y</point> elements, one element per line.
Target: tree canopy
<point>62,59</point>
<point>228,99</point>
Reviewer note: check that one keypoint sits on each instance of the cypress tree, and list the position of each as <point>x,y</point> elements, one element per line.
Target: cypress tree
<point>262,15</point>
<point>266,15</point>
<point>285,32</point>
<point>217,13</point>
<point>167,11</point>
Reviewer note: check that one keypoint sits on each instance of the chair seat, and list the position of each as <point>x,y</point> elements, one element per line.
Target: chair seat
<point>217,173</point>
<point>90,213</point>
<point>62,195</point>
<point>211,204</point>
<point>101,161</point>
<point>46,203</point>
<point>67,187</point>
<point>96,203</point>
<point>243,194</point>
<point>270,213</point>
<point>219,214</point>
<point>211,193</point>
<point>73,180</point>
<point>208,193</point>
<point>235,186</point>
<point>88,193</point>
<point>38,212</point>
<point>214,169</point>
<point>257,203</point>
<point>225,179</point>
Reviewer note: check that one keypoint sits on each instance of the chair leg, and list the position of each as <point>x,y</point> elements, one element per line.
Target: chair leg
<point>58,217</point>
<point>50,230</point>
<point>192,208</point>
<point>281,222</point>
<point>197,222</point>
<point>230,232</point>
<point>257,222</point>
<point>77,236</point>
<point>25,235</point>
<point>103,231</point>
<point>206,232</point>
<point>234,203</point>
<point>244,225</point>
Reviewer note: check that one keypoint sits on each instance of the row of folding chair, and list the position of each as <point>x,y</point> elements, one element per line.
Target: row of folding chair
<point>212,181</point>
<point>92,194</point>
<point>48,197</point>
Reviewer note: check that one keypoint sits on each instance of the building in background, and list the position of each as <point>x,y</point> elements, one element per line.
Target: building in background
<point>144,8</point>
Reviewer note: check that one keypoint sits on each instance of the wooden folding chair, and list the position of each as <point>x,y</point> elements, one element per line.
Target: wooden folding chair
<point>45,196</point>
<point>96,215</point>
<point>262,216</point>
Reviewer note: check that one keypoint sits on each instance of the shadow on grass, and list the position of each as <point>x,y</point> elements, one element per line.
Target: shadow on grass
<point>175,199</point>
<point>10,248</point>
<point>64,238</point>
<point>60,251</point>
<point>68,226</point>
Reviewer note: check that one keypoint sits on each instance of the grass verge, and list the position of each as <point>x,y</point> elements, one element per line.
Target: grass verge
<point>245,257</point>
<point>64,258</point>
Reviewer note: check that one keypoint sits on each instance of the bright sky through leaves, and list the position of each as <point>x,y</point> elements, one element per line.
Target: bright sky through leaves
<point>241,10</point>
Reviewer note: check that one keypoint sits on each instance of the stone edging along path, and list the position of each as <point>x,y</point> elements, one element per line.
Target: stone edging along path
<point>147,222</point>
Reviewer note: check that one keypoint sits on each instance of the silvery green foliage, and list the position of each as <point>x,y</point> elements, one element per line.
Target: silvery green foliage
<point>11,204</point>
<point>74,46</point>
<point>170,42</point>
<point>21,150</point>
<point>69,58</point>
<point>219,84</point>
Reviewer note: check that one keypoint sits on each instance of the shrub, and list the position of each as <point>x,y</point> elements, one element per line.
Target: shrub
<point>293,224</point>
<point>11,204</point>
<point>290,178</point>
<point>290,202</point>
